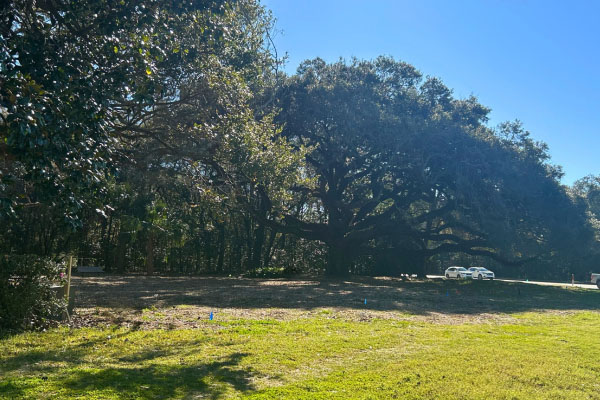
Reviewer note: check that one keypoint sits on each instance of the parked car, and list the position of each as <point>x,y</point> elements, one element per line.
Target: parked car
<point>596,279</point>
<point>481,273</point>
<point>458,273</point>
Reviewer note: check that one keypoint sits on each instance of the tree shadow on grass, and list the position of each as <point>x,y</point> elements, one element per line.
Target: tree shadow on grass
<point>11,391</point>
<point>158,381</point>
<point>140,375</point>
<point>40,361</point>
<point>383,294</point>
<point>121,364</point>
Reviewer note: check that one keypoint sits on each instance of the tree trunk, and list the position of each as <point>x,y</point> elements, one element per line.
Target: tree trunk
<point>106,243</point>
<point>150,253</point>
<point>247,260</point>
<point>120,252</point>
<point>221,256</point>
<point>259,240</point>
<point>338,262</point>
<point>269,249</point>
<point>235,255</point>
<point>420,264</point>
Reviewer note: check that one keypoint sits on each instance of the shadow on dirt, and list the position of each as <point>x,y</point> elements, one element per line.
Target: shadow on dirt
<point>384,294</point>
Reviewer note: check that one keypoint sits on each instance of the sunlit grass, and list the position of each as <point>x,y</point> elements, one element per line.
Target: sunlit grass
<point>540,355</point>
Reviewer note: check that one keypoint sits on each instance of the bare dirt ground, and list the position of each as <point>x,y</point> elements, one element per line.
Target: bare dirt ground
<point>186,302</point>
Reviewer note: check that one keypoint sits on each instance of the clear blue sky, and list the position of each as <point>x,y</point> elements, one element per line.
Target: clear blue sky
<point>536,61</point>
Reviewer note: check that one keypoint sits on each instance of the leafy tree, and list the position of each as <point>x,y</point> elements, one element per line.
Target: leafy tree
<point>586,192</point>
<point>136,124</point>
<point>404,171</point>
<point>163,132</point>
<point>587,189</point>
<point>89,89</point>
<point>79,81</point>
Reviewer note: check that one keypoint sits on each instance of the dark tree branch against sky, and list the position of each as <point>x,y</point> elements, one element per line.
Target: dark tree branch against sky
<point>535,61</point>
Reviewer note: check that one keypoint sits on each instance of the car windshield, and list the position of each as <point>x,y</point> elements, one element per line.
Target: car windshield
<point>462,269</point>
<point>483,270</point>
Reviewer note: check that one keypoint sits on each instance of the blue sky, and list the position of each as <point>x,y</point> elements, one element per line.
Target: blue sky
<point>536,61</point>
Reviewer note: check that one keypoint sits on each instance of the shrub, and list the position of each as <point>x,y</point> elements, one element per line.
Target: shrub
<point>29,296</point>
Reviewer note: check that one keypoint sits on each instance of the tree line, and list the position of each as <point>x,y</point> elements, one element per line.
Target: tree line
<point>163,137</point>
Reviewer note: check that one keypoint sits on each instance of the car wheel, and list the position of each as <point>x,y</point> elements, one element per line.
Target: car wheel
<point>447,276</point>
<point>598,283</point>
<point>491,279</point>
<point>480,277</point>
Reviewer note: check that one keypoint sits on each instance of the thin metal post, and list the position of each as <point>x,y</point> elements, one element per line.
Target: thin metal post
<point>69,277</point>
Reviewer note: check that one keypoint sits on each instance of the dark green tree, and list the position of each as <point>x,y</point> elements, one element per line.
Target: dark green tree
<point>82,82</point>
<point>404,171</point>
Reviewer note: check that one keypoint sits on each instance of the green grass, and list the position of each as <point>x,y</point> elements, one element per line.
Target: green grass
<point>324,354</point>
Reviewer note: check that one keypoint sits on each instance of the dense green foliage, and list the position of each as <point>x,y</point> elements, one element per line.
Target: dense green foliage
<point>160,137</point>
<point>28,294</point>
<point>406,172</point>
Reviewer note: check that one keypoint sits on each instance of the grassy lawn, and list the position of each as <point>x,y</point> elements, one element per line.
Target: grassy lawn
<point>471,340</point>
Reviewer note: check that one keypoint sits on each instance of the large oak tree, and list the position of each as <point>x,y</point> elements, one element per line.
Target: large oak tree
<point>404,171</point>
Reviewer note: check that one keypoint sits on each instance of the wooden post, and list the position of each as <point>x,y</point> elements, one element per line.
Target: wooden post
<point>69,277</point>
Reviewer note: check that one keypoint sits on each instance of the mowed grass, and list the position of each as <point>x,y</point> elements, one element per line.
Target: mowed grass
<point>325,353</point>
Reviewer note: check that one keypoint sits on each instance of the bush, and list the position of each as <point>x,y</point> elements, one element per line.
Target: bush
<point>29,297</point>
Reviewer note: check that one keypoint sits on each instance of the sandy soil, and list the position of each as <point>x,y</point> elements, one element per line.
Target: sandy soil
<point>186,302</point>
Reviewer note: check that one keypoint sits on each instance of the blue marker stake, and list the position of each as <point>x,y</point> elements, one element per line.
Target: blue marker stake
<point>365,301</point>
<point>211,316</point>
<point>447,294</point>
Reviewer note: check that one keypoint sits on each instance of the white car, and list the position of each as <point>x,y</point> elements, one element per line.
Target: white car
<point>596,279</point>
<point>458,272</point>
<point>481,273</point>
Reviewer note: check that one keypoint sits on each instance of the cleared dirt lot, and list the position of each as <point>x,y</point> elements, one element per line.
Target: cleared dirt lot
<point>175,302</point>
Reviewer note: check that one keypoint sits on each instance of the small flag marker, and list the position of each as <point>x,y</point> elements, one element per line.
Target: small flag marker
<point>365,301</point>
<point>210,317</point>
